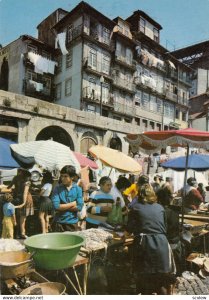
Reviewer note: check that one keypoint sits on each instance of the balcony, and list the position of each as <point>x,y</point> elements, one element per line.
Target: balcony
<point>93,96</point>
<point>148,85</point>
<point>125,61</point>
<point>182,101</point>
<point>97,68</point>
<point>44,94</point>
<point>185,79</point>
<point>171,96</point>
<point>124,85</point>
<point>124,109</point>
<point>74,33</point>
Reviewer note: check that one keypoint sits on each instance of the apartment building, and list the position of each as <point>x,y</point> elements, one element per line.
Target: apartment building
<point>114,68</point>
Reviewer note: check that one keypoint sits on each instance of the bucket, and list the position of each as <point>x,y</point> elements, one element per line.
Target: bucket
<point>54,251</point>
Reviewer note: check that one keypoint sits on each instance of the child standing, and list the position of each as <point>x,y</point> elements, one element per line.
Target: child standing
<point>9,220</point>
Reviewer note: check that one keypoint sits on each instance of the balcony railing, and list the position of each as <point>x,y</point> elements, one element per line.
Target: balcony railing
<point>146,83</point>
<point>125,60</point>
<point>45,93</point>
<point>123,108</point>
<point>74,33</point>
<point>124,84</point>
<point>171,96</point>
<point>182,100</point>
<point>95,96</point>
<point>97,66</point>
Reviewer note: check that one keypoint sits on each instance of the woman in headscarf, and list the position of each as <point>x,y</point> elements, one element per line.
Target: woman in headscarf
<point>153,258</point>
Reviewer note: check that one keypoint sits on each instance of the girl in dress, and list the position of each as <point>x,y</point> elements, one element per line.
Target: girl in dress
<point>46,207</point>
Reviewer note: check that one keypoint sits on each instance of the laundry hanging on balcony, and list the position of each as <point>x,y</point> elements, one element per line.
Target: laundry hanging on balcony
<point>61,40</point>
<point>171,64</point>
<point>42,64</point>
<point>37,85</point>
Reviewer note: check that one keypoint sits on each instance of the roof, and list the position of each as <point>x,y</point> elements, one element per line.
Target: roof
<point>84,7</point>
<point>199,95</point>
<point>190,50</point>
<point>119,18</point>
<point>58,9</point>
<point>196,115</point>
<point>145,16</point>
<point>37,41</point>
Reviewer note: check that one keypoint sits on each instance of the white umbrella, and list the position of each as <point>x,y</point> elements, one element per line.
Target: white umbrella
<point>49,155</point>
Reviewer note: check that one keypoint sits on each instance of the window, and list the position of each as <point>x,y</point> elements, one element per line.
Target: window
<point>105,94</point>
<point>47,85</point>
<point>59,64</point>
<point>116,118</point>
<point>144,123</point>
<point>93,58</point>
<point>156,35</point>
<point>153,103</point>
<point>69,58</point>
<point>105,64</point>
<point>68,86</point>
<point>33,49</point>
<point>58,91</point>
<point>184,116</point>
<point>142,25</point>
<point>127,120</point>
<point>30,75</point>
<point>145,100</point>
<point>159,105</point>
<point>69,33</point>
<point>137,121</point>
<point>169,110</point>
<point>91,108</point>
<point>46,54</point>
<point>138,98</point>
<point>106,35</point>
<point>177,114</point>
<point>152,125</point>
<point>158,126</point>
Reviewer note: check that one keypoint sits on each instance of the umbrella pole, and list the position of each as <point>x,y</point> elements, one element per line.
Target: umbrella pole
<point>185,182</point>
<point>110,172</point>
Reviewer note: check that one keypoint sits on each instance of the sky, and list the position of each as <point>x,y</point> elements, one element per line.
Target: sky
<point>184,22</point>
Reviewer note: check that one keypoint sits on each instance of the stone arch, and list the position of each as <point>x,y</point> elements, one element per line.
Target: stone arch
<point>57,134</point>
<point>115,143</point>
<point>88,139</point>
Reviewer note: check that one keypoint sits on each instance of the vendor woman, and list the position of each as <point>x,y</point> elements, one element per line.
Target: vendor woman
<point>153,260</point>
<point>100,204</point>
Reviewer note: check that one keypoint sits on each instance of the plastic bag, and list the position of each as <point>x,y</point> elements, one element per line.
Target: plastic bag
<point>115,217</point>
<point>82,214</point>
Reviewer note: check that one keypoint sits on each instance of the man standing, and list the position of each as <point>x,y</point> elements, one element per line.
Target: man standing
<point>67,200</point>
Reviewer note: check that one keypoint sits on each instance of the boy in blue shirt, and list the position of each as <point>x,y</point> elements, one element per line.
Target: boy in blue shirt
<point>67,200</point>
<point>9,220</point>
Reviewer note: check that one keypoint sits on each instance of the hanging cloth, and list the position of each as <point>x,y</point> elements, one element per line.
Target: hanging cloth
<point>61,40</point>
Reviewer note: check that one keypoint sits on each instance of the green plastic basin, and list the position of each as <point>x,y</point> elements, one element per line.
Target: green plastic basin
<point>54,251</point>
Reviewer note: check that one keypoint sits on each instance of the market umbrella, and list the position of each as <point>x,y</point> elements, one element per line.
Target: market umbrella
<point>196,162</point>
<point>85,161</point>
<point>6,160</point>
<point>49,155</point>
<point>155,140</point>
<point>115,159</point>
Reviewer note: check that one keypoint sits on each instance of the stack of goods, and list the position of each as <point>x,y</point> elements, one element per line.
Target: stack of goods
<point>10,245</point>
<point>95,238</point>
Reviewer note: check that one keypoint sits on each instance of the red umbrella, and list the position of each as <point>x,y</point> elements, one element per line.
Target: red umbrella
<point>84,161</point>
<point>155,140</point>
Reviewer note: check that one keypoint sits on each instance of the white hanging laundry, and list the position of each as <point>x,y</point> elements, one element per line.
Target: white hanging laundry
<point>61,40</point>
<point>171,64</point>
<point>51,66</point>
<point>37,85</point>
<point>42,64</point>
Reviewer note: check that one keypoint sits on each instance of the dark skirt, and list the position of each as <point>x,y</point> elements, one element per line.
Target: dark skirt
<point>46,205</point>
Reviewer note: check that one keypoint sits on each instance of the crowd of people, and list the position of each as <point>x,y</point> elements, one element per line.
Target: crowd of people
<point>141,208</point>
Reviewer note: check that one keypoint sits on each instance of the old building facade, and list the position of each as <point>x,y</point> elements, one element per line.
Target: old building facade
<point>113,70</point>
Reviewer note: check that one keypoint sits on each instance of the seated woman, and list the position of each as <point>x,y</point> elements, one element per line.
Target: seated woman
<point>153,260</point>
<point>100,204</point>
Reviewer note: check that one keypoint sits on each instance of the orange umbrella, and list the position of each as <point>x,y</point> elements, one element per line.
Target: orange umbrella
<point>115,159</point>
